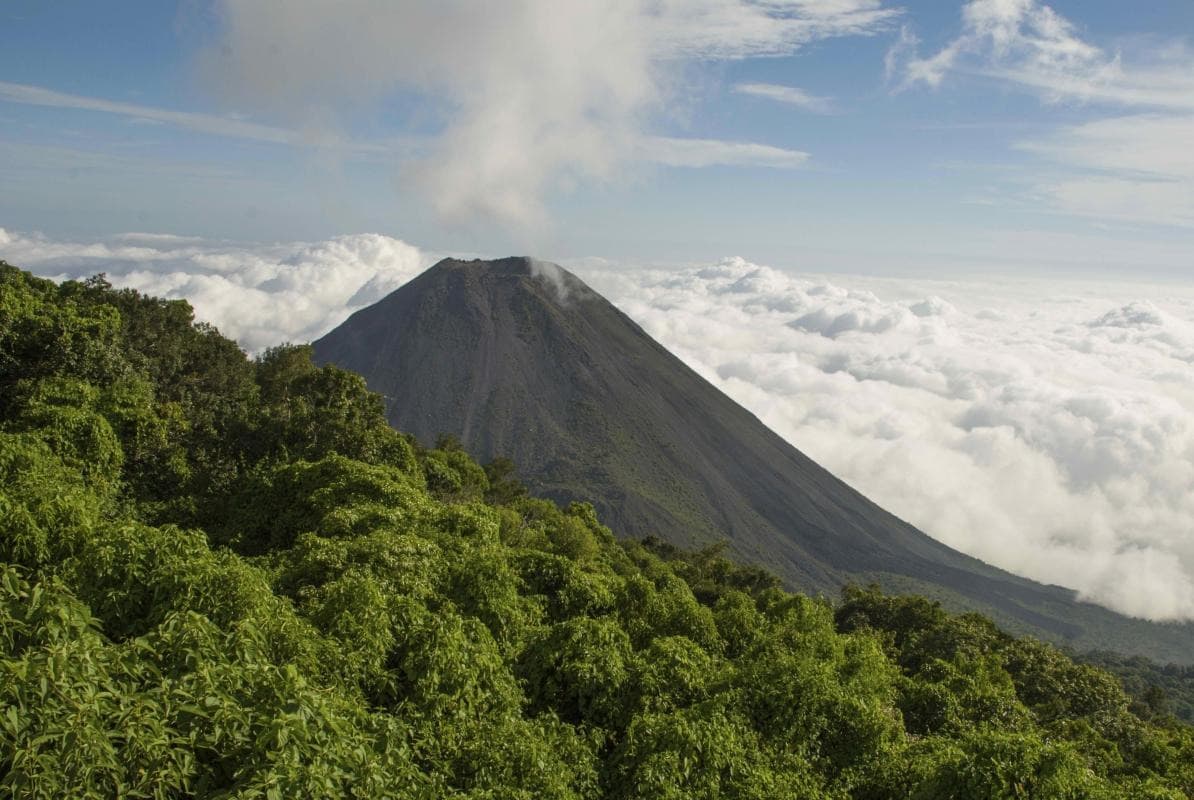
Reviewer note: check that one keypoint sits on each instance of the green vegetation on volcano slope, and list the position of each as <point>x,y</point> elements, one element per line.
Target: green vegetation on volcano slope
<point>230,578</point>
<point>1156,690</point>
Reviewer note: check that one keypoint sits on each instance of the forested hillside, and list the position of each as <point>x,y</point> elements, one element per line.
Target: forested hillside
<point>224,577</point>
<point>1156,689</point>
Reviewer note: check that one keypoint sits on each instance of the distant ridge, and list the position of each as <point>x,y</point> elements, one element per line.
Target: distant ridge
<point>520,358</point>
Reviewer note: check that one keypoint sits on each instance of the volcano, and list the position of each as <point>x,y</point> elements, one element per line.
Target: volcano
<point>520,358</point>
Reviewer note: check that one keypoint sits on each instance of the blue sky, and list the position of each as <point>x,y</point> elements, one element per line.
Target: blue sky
<point>855,135</point>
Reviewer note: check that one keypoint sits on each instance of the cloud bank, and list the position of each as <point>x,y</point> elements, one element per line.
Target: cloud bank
<point>1046,427</point>
<point>518,99</point>
<point>260,295</point>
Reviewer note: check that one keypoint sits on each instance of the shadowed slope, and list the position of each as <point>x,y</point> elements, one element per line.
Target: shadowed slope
<point>520,358</point>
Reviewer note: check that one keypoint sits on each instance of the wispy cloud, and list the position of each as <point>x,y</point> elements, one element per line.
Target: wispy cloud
<point>1023,41</point>
<point>662,150</point>
<point>673,152</point>
<point>1132,166</point>
<point>1137,168</point>
<point>202,123</point>
<point>789,95</point>
<point>732,29</point>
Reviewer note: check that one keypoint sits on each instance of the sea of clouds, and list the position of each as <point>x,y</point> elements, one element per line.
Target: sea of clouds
<point>259,294</point>
<point>1044,426</point>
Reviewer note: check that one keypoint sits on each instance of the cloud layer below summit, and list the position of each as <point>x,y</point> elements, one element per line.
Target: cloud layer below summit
<point>1045,427</point>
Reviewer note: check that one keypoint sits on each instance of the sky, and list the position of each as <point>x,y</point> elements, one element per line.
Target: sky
<point>843,135</point>
<point>945,248</point>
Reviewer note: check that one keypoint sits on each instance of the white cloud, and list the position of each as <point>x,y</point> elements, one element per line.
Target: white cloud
<point>1137,168</point>
<point>520,99</point>
<point>1046,427</point>
<point>673,152</point>
<point>1144,144</point>
<point>743,28</point>
<point>260,295</point>
<point>789,95</point>
<point>202,123</point>
<point>500,104</point>
<point>1020,40</point>
<point>1043,426</point>
<point>1133,167</point>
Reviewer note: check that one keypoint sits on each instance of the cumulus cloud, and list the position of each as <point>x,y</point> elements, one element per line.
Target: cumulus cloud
<point>1046,427</point>
<point>1132,166</point>
<point>515,99</point>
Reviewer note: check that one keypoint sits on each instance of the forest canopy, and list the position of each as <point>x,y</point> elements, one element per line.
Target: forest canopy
<point>229,577</point>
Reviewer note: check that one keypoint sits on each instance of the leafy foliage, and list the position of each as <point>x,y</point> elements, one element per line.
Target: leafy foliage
<point>224,577</point>
<point>1156,690</point>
